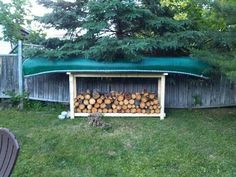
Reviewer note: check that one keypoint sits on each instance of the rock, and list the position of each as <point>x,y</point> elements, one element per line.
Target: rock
<point>64,113</point>
<point>61,117</point>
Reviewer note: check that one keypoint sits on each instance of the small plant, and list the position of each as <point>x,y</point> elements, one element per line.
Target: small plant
<point>95,120</point>
<point>197,100</point>
<point>16,98</point>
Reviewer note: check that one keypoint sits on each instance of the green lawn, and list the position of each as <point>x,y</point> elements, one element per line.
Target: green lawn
<point>187,143</point>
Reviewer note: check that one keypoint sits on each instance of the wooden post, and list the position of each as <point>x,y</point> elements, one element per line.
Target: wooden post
<point>159,90</point>
<point>20,73</point>
<point>71,89</point>
<point>163,83</point>
<point>74,87</point>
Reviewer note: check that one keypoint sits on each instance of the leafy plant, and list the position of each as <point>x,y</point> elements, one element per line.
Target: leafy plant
<point>197,100</point>
<point>16,98</point>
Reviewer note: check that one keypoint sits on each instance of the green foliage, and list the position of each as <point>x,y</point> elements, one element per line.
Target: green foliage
<point>219,45</point>
<point>114,29</point>
<point>16,98</point>
<point>14,16</point>
<point>197,100</point>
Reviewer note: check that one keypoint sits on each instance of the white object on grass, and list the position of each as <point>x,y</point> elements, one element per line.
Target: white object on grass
<point>64,113</point>
<point>61,117</point>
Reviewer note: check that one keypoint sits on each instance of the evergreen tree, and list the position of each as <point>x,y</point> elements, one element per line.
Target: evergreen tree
<point>219,48</point>
<point>114,29</point>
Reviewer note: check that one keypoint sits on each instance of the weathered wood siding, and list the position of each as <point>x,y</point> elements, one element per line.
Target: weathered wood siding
<point>48,87</point>
<point>181,91</point>
<point>8,74</point>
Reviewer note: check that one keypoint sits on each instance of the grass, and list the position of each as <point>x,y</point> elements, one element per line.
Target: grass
<point>189,143</point>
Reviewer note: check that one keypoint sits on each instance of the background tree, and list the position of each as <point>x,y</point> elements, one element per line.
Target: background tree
<point>14,16</point>
<point>219,46</point>
<point>113,29</point>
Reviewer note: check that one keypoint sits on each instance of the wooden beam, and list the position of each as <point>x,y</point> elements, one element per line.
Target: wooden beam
<point>120,115</point>
<point>71,89</point>
<point>163,83</point>
<point>130,75</point>
<point>74,87</point>
<point>159,90</point>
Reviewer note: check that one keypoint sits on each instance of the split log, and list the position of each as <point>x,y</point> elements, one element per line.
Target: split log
<point>127,111</point>
<point>107,101</point>
<point>81,106</point>
<point>92,101</point>
<point>120,98</point>
<point>86,102</point>
<point>99,100</point>
<point>113,106</point>
<point>138,110</point>
<point>138,96</point>
<point>116,102</point>
<point>105,110</point>
<point>100,110</point>
<point>103,105</point>
<point>76,104</point>
<point>155,107</point>
<point>121,103</point>
<point>148,103</point>
<point>94,110</point>
<point>89,107</point>
<point>144,99</point>
<point>78,110</point>
<point>152,96</point>
<point>142,105</point>
<point>129,106</point>
<point>155,101</point>
<point>87,96</point>
<point>126,102</point>
<point>131,101</point>
<point>124,107</point>
<point>133,96</point>
<point>133,110</point>
<point>97,105</point>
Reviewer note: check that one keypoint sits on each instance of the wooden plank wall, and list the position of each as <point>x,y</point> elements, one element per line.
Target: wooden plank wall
<point>48,87</point>
<point>8,74</point>
<point>181,90</point>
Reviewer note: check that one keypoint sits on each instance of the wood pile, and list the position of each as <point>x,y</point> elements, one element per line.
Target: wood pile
<point>117,102</point>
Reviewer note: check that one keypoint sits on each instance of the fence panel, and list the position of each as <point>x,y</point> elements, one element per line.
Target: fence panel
<point>8,74</point>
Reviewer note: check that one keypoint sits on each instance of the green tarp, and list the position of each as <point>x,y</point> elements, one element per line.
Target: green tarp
<point>180,65</point>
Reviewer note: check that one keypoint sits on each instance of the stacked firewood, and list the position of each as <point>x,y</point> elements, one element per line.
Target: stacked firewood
<point>117,102</point>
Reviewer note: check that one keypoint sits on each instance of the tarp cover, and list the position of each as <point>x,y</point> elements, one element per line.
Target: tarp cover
<point>180,65</point>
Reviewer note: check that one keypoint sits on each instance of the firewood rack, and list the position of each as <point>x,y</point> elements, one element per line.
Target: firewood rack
<point>161,92</point>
